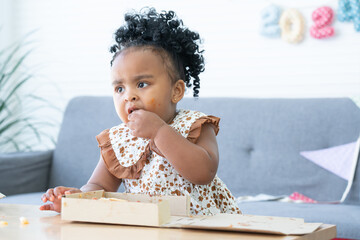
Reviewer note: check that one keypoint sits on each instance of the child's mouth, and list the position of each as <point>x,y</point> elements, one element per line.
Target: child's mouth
<point>131,110</point>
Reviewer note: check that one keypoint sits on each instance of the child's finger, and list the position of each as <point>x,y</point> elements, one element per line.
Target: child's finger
<point>44,198</point>
<point>73,190</point>
<point>47,207</point>
<point>59,191</point>
<point>68,192</point>
<point>49,194</point>
<point>63,192</point>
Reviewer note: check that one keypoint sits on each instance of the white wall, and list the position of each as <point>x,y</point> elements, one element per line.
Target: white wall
<point>73,38</point>
<point>71,55</point>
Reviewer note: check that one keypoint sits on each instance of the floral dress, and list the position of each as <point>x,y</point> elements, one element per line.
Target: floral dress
<point>143,169</point>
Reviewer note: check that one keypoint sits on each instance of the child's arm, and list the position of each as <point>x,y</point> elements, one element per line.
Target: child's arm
<point>101,179</point>
<point>196,162</point>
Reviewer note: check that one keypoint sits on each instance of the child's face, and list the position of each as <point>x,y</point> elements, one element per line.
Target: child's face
<point>141,81</point>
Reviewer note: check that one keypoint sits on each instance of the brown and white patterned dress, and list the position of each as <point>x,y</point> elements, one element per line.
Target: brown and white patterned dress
<point>143,169</point>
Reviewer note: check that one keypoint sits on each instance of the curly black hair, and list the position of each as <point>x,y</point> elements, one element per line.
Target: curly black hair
<point>166,31</point>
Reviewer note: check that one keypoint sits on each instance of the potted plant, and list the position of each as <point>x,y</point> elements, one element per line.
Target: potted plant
<point>21,168</point>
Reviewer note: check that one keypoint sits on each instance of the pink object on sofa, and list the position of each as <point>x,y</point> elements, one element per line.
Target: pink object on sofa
<point>299,197</point>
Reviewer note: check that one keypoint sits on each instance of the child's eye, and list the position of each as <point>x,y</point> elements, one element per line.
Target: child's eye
<point>142,85</point>
<point>119,89</point>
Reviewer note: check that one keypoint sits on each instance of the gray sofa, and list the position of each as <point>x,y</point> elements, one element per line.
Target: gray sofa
<point>259,143</point>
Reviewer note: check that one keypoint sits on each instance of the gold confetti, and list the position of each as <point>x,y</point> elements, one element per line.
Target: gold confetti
<point>3,223</point>
<point>24,221</point>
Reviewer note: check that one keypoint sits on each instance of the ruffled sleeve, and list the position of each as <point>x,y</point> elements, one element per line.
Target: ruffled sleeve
<point>195,129</point>
<point>112,162</point>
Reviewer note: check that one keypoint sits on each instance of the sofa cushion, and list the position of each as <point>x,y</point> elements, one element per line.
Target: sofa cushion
<point>28,171</point>
<point>354,194</point>
<point>77,152</point>
<point>260,141</point>
<point>345,217</point>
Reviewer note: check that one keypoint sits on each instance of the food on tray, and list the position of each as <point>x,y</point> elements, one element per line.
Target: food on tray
<point>113,199</point>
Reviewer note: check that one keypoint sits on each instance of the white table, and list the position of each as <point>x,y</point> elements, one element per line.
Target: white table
<point>48,225</point>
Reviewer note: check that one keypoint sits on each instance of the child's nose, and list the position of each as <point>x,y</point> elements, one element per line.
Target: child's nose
<point>131,96</point>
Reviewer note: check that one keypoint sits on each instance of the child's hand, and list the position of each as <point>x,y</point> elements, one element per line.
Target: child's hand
<point>54,195</point>
<point>144,124</point>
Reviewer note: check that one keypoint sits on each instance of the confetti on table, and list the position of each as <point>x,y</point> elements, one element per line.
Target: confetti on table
<point>3,223</point>
<point>24,221</point>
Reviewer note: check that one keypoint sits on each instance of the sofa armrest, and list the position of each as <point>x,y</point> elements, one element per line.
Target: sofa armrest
<point>24,172</point>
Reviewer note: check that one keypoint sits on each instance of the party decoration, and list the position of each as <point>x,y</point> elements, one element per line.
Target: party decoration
<point>292,25</point>
<point>338,159</point>
<point>322,18</point>
<point>344,12</point>
<point>349,10</point>
<point>270,21</point>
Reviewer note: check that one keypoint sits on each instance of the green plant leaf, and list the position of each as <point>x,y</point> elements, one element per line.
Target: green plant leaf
<point>17,86</point>
<point>31,126</point>
<point>6,76</point>
<point>44,101</point>
<point>10,124</point>
<point>23,42</point>
<point>18,122</point>
<point>10,141</point>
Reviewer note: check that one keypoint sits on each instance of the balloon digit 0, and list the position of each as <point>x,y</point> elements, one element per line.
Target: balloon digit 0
<point>292,26</point>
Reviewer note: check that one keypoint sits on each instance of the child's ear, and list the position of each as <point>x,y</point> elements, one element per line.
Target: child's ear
<point>178,91</point>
